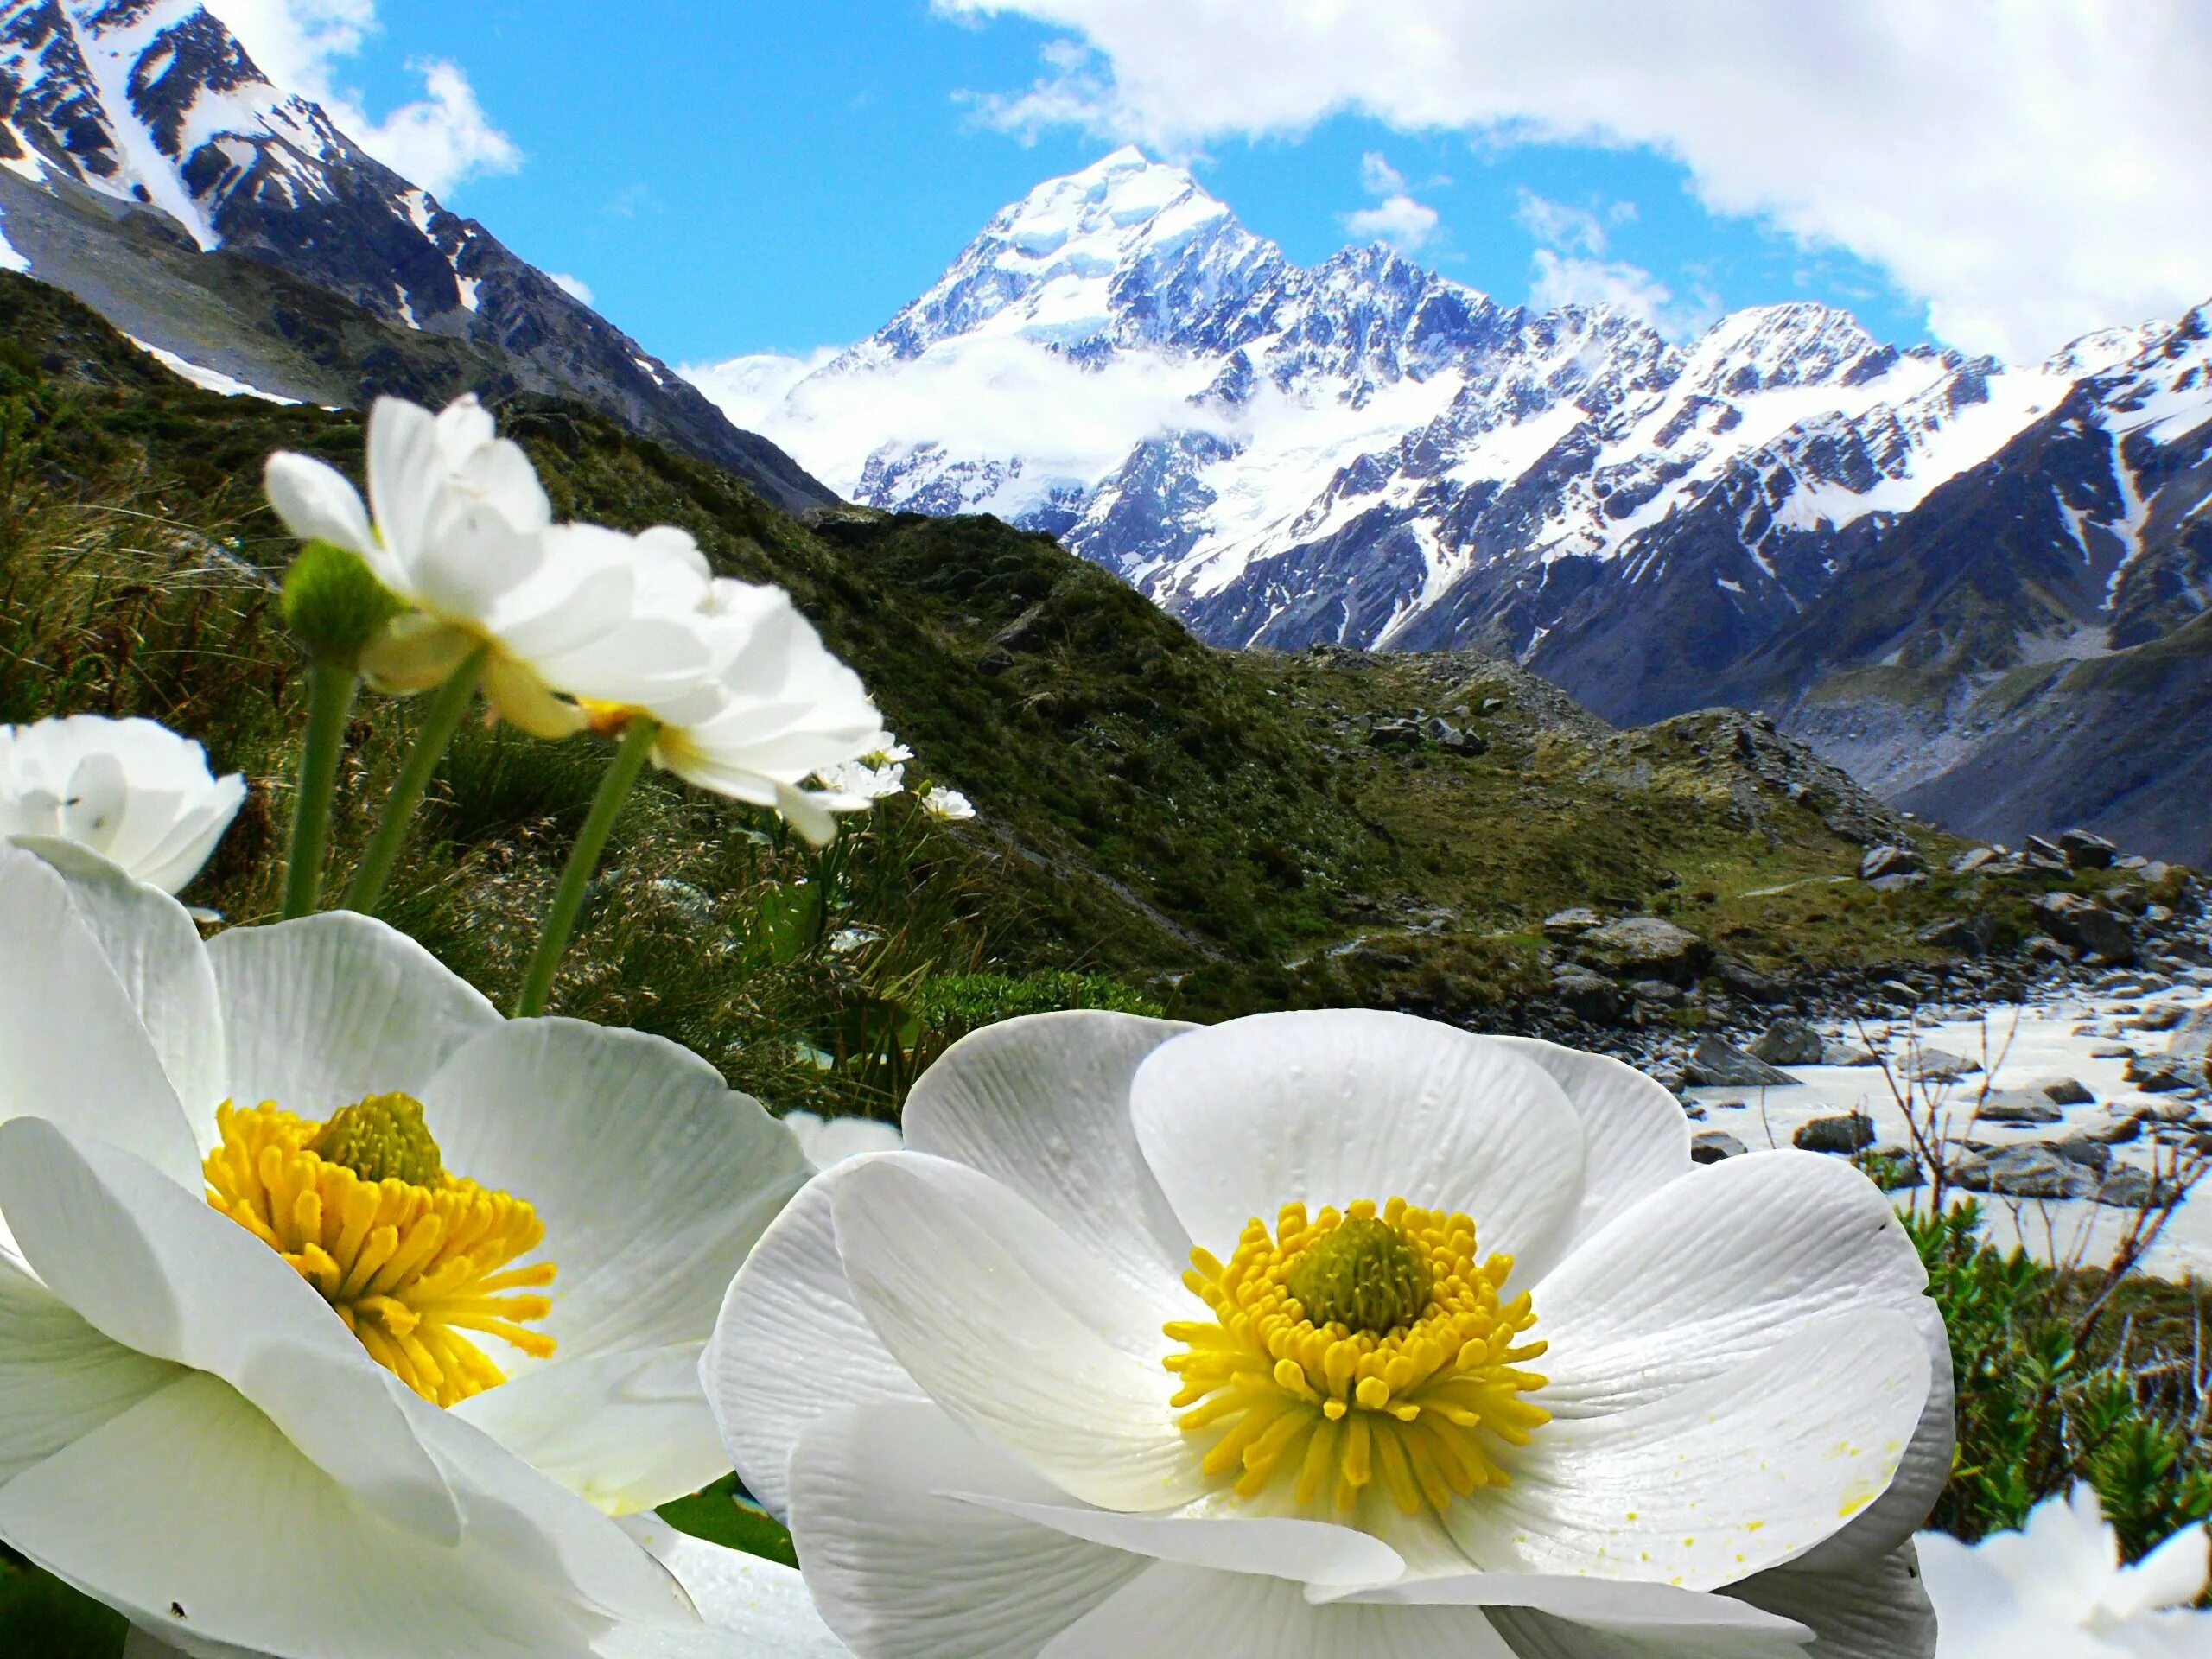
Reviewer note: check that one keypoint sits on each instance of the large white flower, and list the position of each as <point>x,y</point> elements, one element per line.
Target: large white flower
<point>459,532</point>
<point>130,790</point>
<point>2056,1590</point>
<point>268,1203</point>
<point>1138,1348</point>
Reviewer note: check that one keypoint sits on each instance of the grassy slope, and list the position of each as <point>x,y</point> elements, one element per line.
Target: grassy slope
<point>1195,822</point>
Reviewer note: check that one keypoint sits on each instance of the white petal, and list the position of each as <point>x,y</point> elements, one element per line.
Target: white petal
<point>72,1048</point>
<point>1015,1329</point>
<point>318,503</point>
<point>181,854</point>
<point>153,1266</point>
<point>1329,1107</point>
<point>1041,1104</point>
<point>1174,1609</point>
<point>59,1379</point>
<point>1869,1610</point>
<point>1622,1606</point>
<point>790,1313</point>
<point>320,1013</point>
<point>193,1515</point>
<point>752,1607</point>
<point>2172,1575</point>
<point>154,947</point>
<point>407,472</point>
<point>1636,1136</point>
<point>1978,1607</point>
<point>624,1432</point>
<point>1711,1270</point>
<point>902,1572</point>
<point>1543,1636</point>
<point>806,813</point>
<point>1719,1480</point>
<point>1281,1546</point>
<point>653,1177</point>
<point>500,473</point>
<point>471,558</point>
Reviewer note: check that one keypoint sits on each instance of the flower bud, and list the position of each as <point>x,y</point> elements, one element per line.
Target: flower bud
<point>333,604</point>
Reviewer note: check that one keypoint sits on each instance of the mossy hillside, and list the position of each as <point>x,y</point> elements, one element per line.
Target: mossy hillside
<point>1199,824</point>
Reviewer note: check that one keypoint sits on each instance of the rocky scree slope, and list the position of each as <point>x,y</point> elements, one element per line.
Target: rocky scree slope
<point>1363,453</point>
<point>144,158</point>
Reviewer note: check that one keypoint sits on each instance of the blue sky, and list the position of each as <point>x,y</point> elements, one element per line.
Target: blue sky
<point>782,174</point>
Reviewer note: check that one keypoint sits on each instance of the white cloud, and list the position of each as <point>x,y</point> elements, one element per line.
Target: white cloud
<point>574,287</point>
<point>1558,279</point>
<point>2022,165</point>
<point>1400,220</point>
<point>1397,219</point>
<point>1378,177</point>
<point>437,141</point>
<point>1556,225</point>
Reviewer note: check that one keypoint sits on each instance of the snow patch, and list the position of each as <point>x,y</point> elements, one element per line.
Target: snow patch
<point>206,378</point>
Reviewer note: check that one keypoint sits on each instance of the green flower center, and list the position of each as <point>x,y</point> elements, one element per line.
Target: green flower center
<point>383,1138</point>
<point>1363,1276</point>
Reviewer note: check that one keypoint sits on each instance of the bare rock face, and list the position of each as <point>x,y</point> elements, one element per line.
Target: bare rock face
<point>2087,925</point>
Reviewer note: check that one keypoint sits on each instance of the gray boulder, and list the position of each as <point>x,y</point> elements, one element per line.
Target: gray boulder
<point>2085,924</point>
<point>2192,1038</point>
<point>1846,1134</point>
<point>2086,852</point>
<point>1394,735</point>
<point>1647,947</point>
<point>1711,1145</point>
<point>2126,1187</point>
<point>2034,1172</point>
<point>1847,1054</point>
<point>1967,935</point>
<point>1974,858</point>
<point>1937,1066</point>
<point>1571,923</point>
<point>2065,1091</point>
<point>1789,1042</point>
<point>1890,860</point>
<point>1714,1064</point>
<point>2163,1074</point>
<point>2018,1106</point>
<point>1588,996</point>
<point>2084,1149</point>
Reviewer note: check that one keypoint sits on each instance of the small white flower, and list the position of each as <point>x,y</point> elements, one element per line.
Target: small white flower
<point>129,789</point>
<point>286,1362</point>
<point>874,777</point>
<point>777,709</point>
<point>1138,1348</point>
<point>2056,1590</point>
<point>948,805</point>
<point>460,531</point>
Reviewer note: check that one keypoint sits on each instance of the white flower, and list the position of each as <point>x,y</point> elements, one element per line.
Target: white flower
<point>460,532</point>
<point>2056,1590</point>
<point>948,805</point>
<point>956,1368</point>
<point>874,777</point>
<point>129,789</point>
<point>777,710</point>
<point>223,1329</point>
<point>827,1141</point>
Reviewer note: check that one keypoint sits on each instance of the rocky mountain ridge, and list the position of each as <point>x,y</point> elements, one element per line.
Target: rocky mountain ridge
<point>1917,559</point>
<point>136,133</point>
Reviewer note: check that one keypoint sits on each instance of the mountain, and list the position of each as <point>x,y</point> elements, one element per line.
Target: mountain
<point>149,167</point>
<point>1783,511</point>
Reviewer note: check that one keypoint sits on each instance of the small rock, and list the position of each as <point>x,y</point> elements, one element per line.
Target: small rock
<point>692,902</point>
<point>2018,1106</point>
<point>1847,1054</point>
<point>1714,1062</point>
<point>1711,1145</point>
<point>1398,734</point>
<point>2161,1074</point>
<point>2111,1051</point>
<point>2041,855</point>
<point>1570,924</point>
<point>1789,1042</point>
<point>1890,860</point>
<point>2086,925</point>
<point>2126,1187</point>
<point>1967,935</point>
<point>2159,1019</point>
<point>2084,1149</point>
<point>1900,882</point>
<point>1935,1065</point>
<point>1852,1132</point>
<point>2065,1091</point>
<point>1968,863</point>
<point>2117,1132</point>
<point>2086,852</point>
<point>1656,991</point>
<point>994,662</point>
<point>1588,996</point>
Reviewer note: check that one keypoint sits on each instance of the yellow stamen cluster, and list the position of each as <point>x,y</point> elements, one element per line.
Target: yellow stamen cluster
<point>409,1265</point>
<point>1406,1395</point>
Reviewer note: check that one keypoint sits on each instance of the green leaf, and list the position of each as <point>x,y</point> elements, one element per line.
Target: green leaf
<point>722,1515</point>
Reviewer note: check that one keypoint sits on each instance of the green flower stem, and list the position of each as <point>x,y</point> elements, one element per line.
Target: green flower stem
<point>583,860</point>
<point>331,685</point>
<point>440,722</point>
